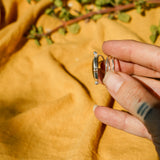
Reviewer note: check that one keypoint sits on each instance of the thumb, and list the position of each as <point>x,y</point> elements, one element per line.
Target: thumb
<point>130,93</point>
<point>134,97</point>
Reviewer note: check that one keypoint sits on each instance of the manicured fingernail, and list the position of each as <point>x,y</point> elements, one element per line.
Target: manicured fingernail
<point>94,107</point>
<point>113,81</point>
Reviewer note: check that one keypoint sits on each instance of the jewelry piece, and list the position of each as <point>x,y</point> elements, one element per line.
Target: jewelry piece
<point>99,62</point>
<point>109,65</point>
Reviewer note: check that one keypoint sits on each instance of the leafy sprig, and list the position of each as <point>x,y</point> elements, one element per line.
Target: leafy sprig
<point>36,34</point>
<point>155,32</point>
<point>29,1</point>
<point>115,8</point>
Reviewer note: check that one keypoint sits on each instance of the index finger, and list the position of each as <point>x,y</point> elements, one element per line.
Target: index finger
<point>132,51</point>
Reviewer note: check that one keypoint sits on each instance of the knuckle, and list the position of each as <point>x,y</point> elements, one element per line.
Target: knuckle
<point>129,93</point>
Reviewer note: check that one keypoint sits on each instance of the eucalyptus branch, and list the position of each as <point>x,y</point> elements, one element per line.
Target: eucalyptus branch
<point>88,15</point>
<point>114,9</point>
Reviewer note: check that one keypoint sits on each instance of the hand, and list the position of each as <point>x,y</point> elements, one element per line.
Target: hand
<point>132,89</point>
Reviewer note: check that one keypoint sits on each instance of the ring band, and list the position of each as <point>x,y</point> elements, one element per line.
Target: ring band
<point>108,63</point>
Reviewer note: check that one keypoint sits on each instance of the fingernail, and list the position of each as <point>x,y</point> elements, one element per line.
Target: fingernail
<point>113,81</point>
<point>94,107</point>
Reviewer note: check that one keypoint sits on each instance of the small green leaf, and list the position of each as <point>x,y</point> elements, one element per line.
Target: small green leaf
<point>139,9</point>
<point>32,32</point>
<point>37,42</point>
<point>85,1</point>
<point>158,29</point>
<point>58,3</point>
<point>40,29</point>
<point>119,2</point>
<point>64,14</point>
<point>99,7</point>
<point>103,2</point>
<point>34,27</point>
<point>62,31</point>
<point>87,10</point>
<point>154,29</point>
<point>49,11</point>
<point>96,17</point>
<point>49,40</point>
<point>29,1</point>
<point>124,17</point>
<point>140,2</point>
<point>153,37</point>
<point>74,28</point>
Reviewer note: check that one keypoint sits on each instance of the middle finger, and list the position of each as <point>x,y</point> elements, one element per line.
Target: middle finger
<point>132,51</point>
<point>135,69</point>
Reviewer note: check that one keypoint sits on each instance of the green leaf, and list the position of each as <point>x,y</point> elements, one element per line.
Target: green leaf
<point>64,14</point>
<point>62,31</point>
<point>139,9</point>
<point>154,29</point>
<point>49,11</point>
<point>86,9</point>
<point>140,2</point>
<point>40,29</point>
<point>99,7</point>
<point>49,40</point>
<point>103,2</point>
<point>86,1</point>
<point>158,29</point>
<point>58,3</point>
<point>153,37</point>
<point>37,42</point>
<point>34,27</point>
<point>32,32</point>
<point>119,2</point>
<point>29,1</point>
<point>74,28</point>
<point>124,17</point>
<point>96,17</point>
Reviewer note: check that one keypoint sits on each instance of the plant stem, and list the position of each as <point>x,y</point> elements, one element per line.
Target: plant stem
<point>90,14</point>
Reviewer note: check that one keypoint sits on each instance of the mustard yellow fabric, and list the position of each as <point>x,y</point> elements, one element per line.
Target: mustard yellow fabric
<point>47,92</point>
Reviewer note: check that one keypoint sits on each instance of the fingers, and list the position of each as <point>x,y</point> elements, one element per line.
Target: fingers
<point>121,120</point>
<point>135,69</point>
<point>151,84</point>
<point>130,94</point>
<point>131,51</point>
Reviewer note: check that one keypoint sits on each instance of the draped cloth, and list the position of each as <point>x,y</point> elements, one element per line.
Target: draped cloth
<point>47,92</point>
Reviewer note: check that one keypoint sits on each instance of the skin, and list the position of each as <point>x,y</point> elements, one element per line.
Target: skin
<point>134,86</point>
